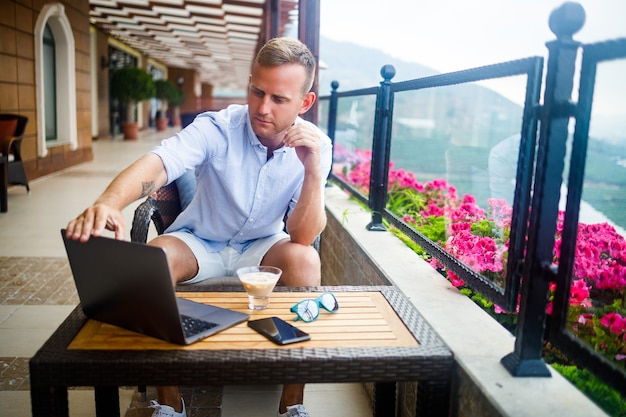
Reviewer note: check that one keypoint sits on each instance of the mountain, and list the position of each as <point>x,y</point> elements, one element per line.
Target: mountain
<point>442,132</point>
<point>355,66</point>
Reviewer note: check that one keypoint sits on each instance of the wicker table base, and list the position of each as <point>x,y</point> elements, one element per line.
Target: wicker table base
<point>77,354</point>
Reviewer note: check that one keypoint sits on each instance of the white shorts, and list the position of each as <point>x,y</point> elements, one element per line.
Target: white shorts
<point>228,260</point>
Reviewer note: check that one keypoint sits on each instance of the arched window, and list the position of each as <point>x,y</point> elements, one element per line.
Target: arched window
<point>55,73</point>
<point>49,84</point>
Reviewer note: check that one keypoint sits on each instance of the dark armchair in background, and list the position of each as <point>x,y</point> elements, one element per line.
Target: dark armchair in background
<point>12,127</point>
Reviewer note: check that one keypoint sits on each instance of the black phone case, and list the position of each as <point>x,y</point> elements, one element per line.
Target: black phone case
<point>278,330</point>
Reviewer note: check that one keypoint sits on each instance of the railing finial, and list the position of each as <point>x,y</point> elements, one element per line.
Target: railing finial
<point>388,72</point>
<point>566,20</point>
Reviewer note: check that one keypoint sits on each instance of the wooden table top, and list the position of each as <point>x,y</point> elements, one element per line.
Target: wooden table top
<point>364,319</point>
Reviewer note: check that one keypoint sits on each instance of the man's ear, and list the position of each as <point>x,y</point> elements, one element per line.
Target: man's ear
<point>307,102</point>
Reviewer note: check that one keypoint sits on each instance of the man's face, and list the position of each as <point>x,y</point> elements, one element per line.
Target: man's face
<point>275,99</point>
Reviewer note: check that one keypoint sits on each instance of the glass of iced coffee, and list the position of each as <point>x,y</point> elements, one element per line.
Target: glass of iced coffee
<point>259,282</point>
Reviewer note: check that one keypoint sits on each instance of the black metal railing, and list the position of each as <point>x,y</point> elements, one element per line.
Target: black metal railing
<point>594,55</point>
<point>540,142</point>
<point>530,69</point>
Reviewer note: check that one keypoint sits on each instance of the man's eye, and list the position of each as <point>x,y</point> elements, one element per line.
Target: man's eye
<point>257,93</point>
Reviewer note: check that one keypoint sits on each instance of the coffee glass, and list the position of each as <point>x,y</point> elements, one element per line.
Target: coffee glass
<point>259,282</point>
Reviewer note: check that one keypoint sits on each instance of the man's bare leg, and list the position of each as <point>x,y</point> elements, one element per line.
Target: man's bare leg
<point>180,258</point>
<point>292,394</point>
<point>300,264</point>
<point>170,395</point>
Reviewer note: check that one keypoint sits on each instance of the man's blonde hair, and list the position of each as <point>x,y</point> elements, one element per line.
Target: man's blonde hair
<point>283,51</point>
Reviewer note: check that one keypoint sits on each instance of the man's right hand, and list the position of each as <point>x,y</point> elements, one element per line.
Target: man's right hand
<point>140,179</point>
<point>94,220</point>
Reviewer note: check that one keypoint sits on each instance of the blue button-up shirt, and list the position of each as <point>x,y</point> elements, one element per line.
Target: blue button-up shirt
<point>241,195</point>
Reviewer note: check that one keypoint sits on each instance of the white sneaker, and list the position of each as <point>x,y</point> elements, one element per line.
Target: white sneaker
<point>297,410</point>
<point>166,410</point>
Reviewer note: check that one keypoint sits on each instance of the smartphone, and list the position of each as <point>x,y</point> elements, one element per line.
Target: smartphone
<point>278,330</point>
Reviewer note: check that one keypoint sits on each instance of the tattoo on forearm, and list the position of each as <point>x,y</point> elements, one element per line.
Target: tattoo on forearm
<point>147,188</point>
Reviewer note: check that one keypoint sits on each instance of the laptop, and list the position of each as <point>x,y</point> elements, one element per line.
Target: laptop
<point>128,284</point>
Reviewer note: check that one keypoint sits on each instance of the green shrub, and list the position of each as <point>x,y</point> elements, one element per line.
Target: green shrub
<point>607,398</point>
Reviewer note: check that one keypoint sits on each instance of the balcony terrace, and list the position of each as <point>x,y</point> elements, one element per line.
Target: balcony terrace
<point>37,292</point>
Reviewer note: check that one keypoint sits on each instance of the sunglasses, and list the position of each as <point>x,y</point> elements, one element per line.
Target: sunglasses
<point>309,309</point>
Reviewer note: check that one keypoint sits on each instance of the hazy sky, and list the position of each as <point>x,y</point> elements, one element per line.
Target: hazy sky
<point>450,35</point>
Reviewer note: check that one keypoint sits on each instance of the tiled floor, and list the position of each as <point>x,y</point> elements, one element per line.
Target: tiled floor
<point>37,293</point>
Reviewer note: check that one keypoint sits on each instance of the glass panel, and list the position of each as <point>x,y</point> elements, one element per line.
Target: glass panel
<point>323,105</point>
<point>597,314</point>
<point>353,140</point>
<point>460,144</point>
<point>458,134</point>
<point>453,166</point>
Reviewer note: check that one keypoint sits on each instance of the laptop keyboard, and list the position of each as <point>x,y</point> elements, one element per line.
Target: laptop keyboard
<point>193,326</point>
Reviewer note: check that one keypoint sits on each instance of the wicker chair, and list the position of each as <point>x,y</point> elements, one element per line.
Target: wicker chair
<point>161,209</point>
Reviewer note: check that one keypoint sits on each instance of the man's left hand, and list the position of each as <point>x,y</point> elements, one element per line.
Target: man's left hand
<point>306,141</point>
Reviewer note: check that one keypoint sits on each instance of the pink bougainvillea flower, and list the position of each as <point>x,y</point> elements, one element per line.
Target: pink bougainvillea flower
<point>579,294</point>
<point>615,323</point>
<point>456,281</point>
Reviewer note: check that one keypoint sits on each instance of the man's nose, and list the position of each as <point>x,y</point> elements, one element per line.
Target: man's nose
<point>265,105</point>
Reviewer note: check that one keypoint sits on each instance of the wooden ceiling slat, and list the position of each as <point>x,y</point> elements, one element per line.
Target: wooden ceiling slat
<point>201,34</point>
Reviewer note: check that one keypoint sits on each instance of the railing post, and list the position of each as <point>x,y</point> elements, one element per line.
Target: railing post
<point>332,111</point>
<point>379,172</point>
<point>332,116</point>
<point>526,360</point>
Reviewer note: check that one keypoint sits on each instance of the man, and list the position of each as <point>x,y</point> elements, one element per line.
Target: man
<point>253,164</point>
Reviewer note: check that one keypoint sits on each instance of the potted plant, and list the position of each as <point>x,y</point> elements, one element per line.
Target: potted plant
<point>175,100</point>
<point>166,92</point>
<point>131,85</point>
